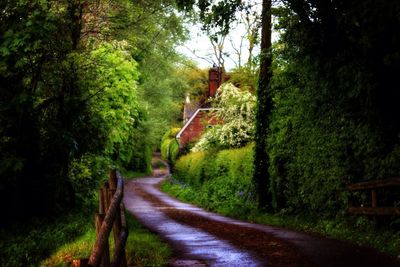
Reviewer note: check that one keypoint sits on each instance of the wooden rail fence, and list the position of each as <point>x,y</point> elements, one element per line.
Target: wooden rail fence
<point>375,209</point>
<point>111,216</point>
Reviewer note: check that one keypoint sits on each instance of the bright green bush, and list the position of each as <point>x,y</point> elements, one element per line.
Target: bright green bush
<point>222,180</point>
<point>170,146</point>
<point>173,151</point>
<point>188,168</point>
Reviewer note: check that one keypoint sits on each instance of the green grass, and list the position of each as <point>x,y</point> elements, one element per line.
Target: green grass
<point>78,249</point>
<point>134,174</point>
<point>27,243</point>
<point>46,242</point>
<point>142,248</point>
<point>359,230</point>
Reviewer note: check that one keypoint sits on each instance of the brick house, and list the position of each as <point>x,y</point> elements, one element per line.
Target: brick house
<point>196,117</point>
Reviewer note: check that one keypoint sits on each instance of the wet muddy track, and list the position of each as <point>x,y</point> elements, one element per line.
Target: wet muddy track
<point>264,246</point>
<point>215,240</point>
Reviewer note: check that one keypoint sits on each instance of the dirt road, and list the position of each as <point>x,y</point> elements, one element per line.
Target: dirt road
<point>201,238</point>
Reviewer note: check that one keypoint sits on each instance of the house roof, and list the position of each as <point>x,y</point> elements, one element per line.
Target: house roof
<point>178,136</point>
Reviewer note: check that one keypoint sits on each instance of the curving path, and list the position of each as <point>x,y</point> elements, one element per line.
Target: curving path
<point>202,238</point>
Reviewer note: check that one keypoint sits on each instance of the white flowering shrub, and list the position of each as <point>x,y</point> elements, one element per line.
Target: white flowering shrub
<point>237,112</point>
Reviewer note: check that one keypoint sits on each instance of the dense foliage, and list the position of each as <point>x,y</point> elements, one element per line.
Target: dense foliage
<point>79,82</point>
<point>334,120</point>
<point>44,118</point>
<point>326,108</point>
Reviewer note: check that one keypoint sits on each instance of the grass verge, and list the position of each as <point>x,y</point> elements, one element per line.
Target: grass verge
<point>357,230</point>
<point>26,244</point>
<point>142,248</point>
<point>56,243</point>
<point>133,174</point>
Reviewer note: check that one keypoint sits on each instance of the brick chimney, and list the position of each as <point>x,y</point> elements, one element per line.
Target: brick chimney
<point>214,80</point>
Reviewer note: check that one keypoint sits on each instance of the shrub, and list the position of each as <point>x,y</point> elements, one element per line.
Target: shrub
<point>223,180</point>
<point>188,168</point>
<point>170,146</point>
<point>86,175</point>
<point>236,110</point>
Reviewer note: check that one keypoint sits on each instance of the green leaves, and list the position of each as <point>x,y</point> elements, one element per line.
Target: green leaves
<point>236,111</point>
<point>112,91</point>
<point>218,15</point>
<point>327,127</point>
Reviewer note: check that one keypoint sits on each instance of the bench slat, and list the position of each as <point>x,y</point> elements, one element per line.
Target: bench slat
<point>375,211</point>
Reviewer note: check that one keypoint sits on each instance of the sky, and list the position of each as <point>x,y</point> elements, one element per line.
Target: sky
<point>200,50</point>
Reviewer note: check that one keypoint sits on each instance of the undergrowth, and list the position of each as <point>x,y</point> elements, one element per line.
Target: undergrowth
<point>56,243</point>
<point>142,248</point>
<point>28,243</point>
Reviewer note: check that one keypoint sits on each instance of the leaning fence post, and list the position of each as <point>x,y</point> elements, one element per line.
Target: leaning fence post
<point>105,258</point>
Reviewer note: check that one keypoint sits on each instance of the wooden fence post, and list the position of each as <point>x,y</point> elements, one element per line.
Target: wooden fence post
<point>80,263</point>
<point>106,197</point>
<point>111,216</point>
<point>102,205</point>
<point>105,259</point>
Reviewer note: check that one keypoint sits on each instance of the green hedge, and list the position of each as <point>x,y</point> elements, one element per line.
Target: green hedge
<point>317,145</point>
<point>309,182</point>
<point>170,146</point>
<point>222,180</point>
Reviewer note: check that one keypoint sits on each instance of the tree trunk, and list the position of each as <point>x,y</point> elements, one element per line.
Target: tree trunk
<point>263,111</point>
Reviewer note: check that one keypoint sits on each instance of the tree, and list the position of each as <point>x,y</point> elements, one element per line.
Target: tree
<point>333,91</point>
<point>71,97</point>
<point>39,97</point>
<point>263,110</point>
<point>154,29</point>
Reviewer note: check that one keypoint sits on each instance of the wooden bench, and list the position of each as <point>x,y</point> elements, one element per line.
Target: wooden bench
<point>374,209</point>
